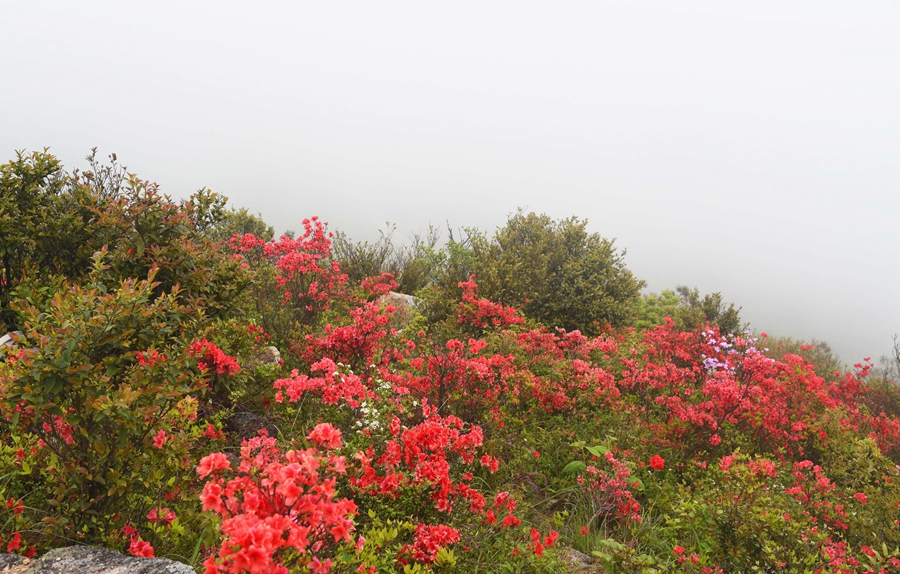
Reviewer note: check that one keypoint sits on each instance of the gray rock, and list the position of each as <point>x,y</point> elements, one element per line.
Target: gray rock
<point>407,307</point>
<point>9,560</point>
<point>403,302</point>
<point>574,559</point>
<point>270,356</point>
<point>89,560</point>
<point>247,425</point>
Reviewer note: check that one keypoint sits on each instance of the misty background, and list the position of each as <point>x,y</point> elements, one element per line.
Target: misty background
<point>747,148</point>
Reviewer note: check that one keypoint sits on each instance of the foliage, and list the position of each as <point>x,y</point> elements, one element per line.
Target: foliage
<point>105,395</point>
<point>695,312</point>
<point>240,222</point>
<point>30,187</point>
<point>54,222</point>
<point>819,353</point>
<point>410,264</point>
<point>556,272</point>
<point>652,309</point>
<point>481,436</point>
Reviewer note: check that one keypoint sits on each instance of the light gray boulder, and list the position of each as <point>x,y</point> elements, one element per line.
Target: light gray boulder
<point>576,561</point>
<point>403,302</point>
<point>407,307</point>
<point>89,560</point>
<point>271,356</point>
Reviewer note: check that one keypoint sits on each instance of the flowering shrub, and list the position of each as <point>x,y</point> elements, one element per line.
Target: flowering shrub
<point>482,312</point>
<point>610,490</point>
<point>464,439</point>
<point>97,400</point>
<point>277,502</point>
<point>296,283</point>
<point>419,458</point>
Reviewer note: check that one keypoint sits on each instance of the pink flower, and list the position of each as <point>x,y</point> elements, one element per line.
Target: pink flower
<point>160,439</point>
<point>211,497</point>
<point>678,550</point>
<point>163,516</point>
<point>326,436</point>
<point>140,548</point>
<point>212,463</point>
<point>861,497</point>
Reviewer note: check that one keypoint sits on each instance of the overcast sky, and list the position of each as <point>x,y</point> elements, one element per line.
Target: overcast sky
<point>751,148</point>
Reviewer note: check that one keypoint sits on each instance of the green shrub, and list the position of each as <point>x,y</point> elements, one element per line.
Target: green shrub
<point>106,395</point>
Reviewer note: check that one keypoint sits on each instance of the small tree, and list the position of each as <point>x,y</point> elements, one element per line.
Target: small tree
<point>653,309</point>
<point>695,311</point>
<point>556,272</point>
<point>240,222</point>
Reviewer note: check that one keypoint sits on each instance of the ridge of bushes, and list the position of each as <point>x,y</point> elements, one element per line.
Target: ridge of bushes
<point>532,404</point>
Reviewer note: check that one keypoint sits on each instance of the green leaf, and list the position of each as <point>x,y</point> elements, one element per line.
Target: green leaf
<point>598,450</point>
<point>611,543</point>
<point>574,467</point>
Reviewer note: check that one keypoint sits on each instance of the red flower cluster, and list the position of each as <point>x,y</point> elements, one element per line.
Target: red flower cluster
<point>420,457</point>
<point>428,541</point>
<point>537,546</point>
<point>137,546</point>
<point>326,436</point>
<point>332,386</point>
<point>150,358</point>
<point>162,516</point>
<point>355,344</point>
<point>611,491</point>
<point>310,281</point>
<point>483,312</point>
<point>212,358</point>
<point>274,503</point>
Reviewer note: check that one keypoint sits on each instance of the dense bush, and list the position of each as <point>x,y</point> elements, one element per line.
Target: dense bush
<point>688,309</point>
<point>54,222</point>
<point>556,272</point>
<point>101,402</point>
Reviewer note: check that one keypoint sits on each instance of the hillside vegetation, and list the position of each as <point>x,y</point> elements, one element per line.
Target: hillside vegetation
<point>532,403</point>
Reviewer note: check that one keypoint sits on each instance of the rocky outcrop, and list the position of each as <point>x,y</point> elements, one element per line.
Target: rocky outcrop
<point>89,560</point>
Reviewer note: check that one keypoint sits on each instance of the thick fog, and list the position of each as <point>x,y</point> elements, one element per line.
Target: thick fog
<point>747,148</point>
